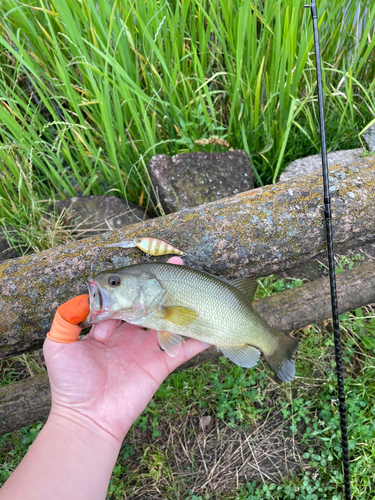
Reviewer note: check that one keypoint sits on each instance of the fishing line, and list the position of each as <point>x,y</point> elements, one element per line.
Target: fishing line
<point>331,262</point>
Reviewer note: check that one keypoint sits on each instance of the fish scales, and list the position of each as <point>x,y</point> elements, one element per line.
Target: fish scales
<point>180,301</point>
<point>221,325</point>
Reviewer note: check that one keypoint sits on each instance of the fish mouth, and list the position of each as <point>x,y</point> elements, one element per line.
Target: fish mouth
<point>96,300</point>
<point>99,303</point>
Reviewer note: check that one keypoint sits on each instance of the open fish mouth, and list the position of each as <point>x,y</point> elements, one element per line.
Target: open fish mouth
<point>99,302</point>
<point>95,300</point>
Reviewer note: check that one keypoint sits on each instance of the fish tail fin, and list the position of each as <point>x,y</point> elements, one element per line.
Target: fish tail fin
<point>280,360</point>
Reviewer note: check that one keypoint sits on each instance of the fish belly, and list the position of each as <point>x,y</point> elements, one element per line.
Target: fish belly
<point>219,333</point>
<point>224,316</point>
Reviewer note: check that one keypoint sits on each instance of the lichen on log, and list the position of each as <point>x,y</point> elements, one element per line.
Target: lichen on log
<point>254,234</point>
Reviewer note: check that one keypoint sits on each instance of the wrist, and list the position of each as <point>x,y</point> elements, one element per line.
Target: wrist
<point>75,424</point>
<point>72,457</point>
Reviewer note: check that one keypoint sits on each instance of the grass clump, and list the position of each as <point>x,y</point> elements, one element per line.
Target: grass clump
<point>89,91</point>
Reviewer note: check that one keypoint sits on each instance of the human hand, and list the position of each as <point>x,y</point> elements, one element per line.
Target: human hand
<point>107,379</point>
<point>99,386</point>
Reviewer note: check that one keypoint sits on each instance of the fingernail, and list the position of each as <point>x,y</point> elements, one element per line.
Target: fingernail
<point>175,260</point>
<point>101,332</point>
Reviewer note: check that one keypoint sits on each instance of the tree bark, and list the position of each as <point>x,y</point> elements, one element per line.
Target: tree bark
<point>255,233</point>
<point>23,403</point>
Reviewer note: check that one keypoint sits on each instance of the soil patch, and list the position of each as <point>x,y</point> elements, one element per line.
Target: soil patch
<point>205,455</point>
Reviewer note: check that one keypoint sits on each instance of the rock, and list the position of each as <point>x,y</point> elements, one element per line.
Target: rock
<point>309,165</point>
<point>87,216</point>
<point>192,179</point>
<point>92,215</point>
<point>369,137</point>
<point>6,251</point>
<point>312,164</point>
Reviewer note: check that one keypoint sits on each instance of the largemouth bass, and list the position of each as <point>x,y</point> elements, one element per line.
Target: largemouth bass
<point>178,302</point>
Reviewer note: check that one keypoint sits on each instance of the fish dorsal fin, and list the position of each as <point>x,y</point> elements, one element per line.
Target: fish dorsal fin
<point>243,355</point>
<point>178,315</point>
<point>248,287</point>
<point>170,342</point>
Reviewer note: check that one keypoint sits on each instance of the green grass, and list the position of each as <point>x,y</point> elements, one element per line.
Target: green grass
<point>241,398</point>
<point>89,91</point>
<point>200,418</point>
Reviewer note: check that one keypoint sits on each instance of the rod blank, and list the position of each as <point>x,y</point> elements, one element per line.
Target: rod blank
<point>331,262</point>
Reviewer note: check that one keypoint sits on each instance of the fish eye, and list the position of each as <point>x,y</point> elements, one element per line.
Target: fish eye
<point>114,280</point>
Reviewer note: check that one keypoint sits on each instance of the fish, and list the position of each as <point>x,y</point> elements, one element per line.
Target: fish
<point>179,301</point>
<point>149,245</point>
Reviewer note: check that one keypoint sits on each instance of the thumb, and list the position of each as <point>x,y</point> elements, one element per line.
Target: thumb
<point>103,330</point>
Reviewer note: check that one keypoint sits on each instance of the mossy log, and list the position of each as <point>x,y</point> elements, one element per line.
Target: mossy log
<point>23,403</point>
<point>254,234</point>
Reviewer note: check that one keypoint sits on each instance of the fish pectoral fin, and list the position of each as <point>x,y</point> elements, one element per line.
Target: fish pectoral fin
<point>243,355</point>
<point>170,342</point>
<point>248,287</point>
<point>178,315</point>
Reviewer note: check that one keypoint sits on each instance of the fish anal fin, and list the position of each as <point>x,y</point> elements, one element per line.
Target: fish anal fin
<point>170,342</point>
<point>178,315</point>
<point>248,286</point>
<point>243,355</point>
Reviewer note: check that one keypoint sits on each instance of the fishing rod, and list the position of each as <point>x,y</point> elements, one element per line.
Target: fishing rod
<point>331,262</point>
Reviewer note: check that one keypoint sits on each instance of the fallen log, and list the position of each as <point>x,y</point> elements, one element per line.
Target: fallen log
<point>23,403</point>
<point>254,234</point>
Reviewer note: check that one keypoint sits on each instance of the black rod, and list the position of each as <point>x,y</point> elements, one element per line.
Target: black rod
<point>331,262</point>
